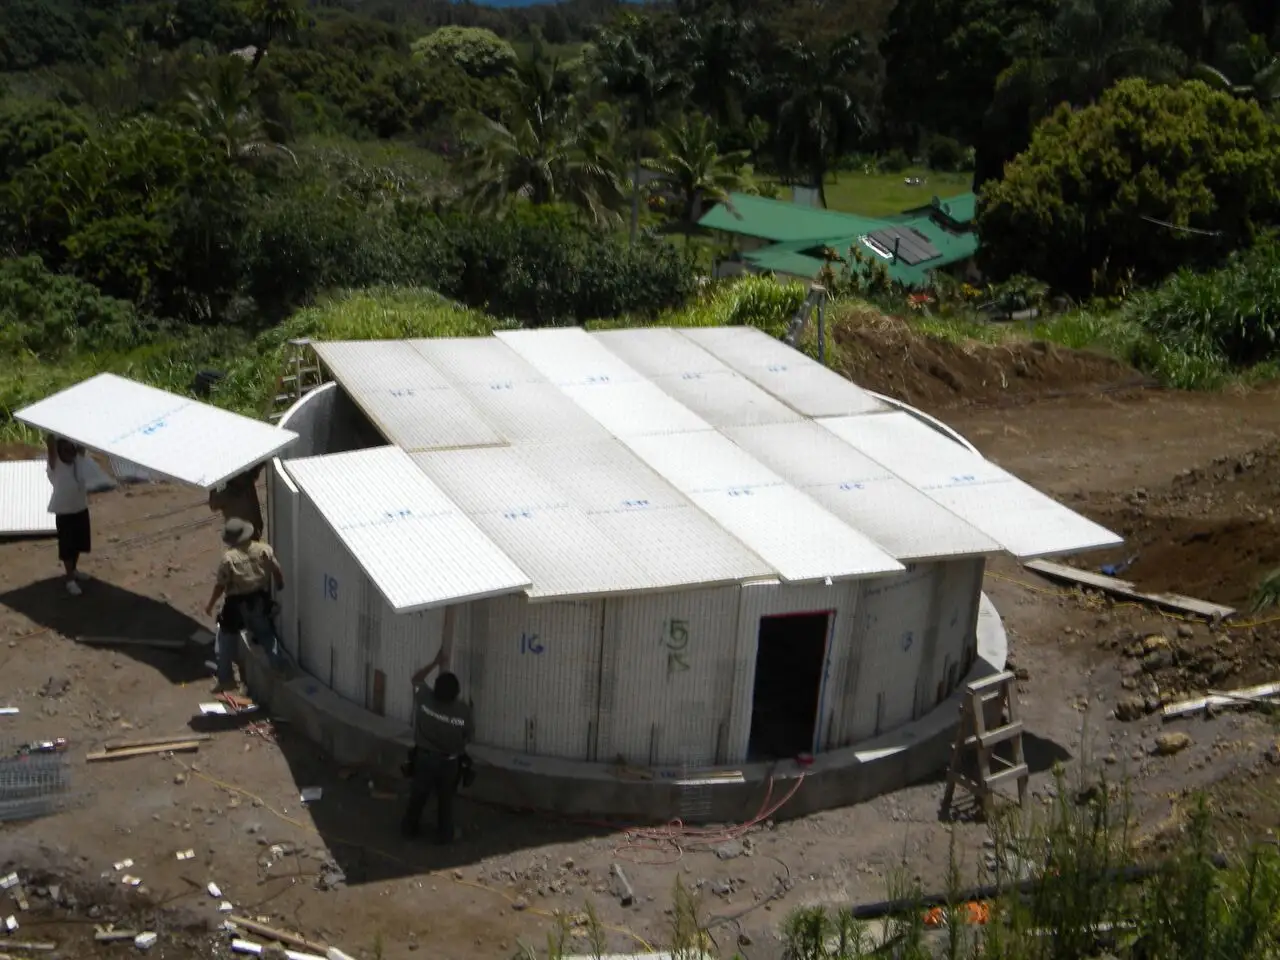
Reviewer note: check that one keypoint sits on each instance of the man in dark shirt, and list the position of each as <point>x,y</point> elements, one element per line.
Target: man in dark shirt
<point>442,728</point>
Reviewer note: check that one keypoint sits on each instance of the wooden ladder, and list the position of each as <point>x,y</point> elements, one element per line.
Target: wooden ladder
<point>302,375</point>
<point>973,737</point>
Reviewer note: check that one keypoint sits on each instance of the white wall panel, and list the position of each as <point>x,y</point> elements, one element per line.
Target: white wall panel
<point>769,600</point>
<point>407,642</point>
<point>957,619</point>
<point>668,675</point>
<point>888,647</point>
<point>535,675</point>
<point>328,594</point>
<point>282,524</point>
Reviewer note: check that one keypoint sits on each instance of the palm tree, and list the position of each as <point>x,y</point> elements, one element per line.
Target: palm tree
<point>717,57</point>
<point>820,110</point>
<point>691,166</point>
<point>1264,86</point>
<point>546,149</point>
<point>1090,44</point>
<point>274,20</point>
<point>630,71</point>
<point>221,110</point>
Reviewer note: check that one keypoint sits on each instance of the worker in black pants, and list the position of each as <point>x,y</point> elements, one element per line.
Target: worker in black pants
<point>442,728</point>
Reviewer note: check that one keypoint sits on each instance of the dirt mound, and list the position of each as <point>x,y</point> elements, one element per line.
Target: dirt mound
<point>888,355</point>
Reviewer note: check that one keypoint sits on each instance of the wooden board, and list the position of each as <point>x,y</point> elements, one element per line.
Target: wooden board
<point>280,936</point>
<point>1234,698</point>
<point>1129,591</point>
<point>186,746</point>
<point>155,741</point>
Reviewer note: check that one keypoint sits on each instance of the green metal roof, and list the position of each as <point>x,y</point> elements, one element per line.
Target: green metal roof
<point>781,221</point>
<point>959,209</point>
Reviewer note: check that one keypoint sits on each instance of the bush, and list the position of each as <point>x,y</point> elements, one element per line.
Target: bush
<point>944,154</point>
<point>45,314</point>
<point>895,161</point>
<point>1072,210</point>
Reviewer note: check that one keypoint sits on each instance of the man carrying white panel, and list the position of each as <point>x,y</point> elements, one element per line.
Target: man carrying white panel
<point>69,504</point>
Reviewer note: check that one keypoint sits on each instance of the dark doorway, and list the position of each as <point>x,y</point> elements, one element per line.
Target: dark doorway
<point>784,706</point>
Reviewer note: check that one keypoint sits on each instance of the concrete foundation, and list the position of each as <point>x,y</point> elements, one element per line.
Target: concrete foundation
<point>913,752</point>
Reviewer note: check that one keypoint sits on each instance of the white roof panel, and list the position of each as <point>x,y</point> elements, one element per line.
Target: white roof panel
<point>634,409</point>
<point>415,544</point>
<point>24,499</point>
<point>660,352</point>
<point>791,532</point>
<point>798,381</point>
<point>863,493</point>
<point>1018,517</point>
<point>172,436</point>
<point>535,523</point>
<point>481,361</point>
<point>411,402</point>
<point>659,528</point>
<point>569,356</point>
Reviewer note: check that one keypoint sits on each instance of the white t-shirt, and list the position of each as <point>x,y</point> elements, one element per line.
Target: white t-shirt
<point>70,488</point>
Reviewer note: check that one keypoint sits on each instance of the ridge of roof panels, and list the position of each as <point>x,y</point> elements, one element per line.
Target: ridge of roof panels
<point>610,391</point>
<point>688,373</point>
<point>411,403</point>
<point>797,537</point>
<point>413,541</point>
<point>1020,518</point>
<point>904,521</point>
<point>509,394</point>
<point>589,519</point>
<point>802,383</point>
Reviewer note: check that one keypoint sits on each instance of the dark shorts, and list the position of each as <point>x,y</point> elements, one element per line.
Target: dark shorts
<point>73,534</point>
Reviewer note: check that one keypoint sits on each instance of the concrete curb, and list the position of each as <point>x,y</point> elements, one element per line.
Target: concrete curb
<point>913,752</point>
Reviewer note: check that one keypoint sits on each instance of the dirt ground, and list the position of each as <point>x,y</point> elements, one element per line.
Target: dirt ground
<point>1188,477</point>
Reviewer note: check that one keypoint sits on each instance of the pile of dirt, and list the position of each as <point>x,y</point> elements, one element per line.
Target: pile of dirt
<point>889,356</point>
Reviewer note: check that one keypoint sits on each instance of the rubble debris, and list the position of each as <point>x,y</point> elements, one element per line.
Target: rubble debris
<point>31,946</point>
<point>122,865</point>
<point>214,891</point>
<point>55,687</point>
<point>311,794</point>
<point>11,923</point>
<point>145,941</point>
<point>1167,744</point>
<point>130,881</point>
<point>10,881</point>
<point>184,855</point>
<point>280,936</point>
<point>109,934</point>
<point>8,711</point>
<point>225,907</point>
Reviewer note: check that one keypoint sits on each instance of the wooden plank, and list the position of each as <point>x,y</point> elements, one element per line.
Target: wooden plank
<point>39,946</point>
<point>1231,698</point>
<point>155,741</point>
<point>185,746</point>
<point>280,936</point>
<point>1127,590</point>
<point>132,642</point>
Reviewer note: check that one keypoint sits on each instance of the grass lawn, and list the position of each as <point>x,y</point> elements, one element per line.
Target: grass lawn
<point>885,194</point>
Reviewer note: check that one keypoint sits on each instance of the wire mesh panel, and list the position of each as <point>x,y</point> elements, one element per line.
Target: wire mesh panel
<point>32,784</point>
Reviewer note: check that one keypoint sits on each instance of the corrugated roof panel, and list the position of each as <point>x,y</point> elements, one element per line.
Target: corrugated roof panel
<point>795,379</point>
<point>534,413</point>
<point>865,494</point>
<point>24,499</point>
<point>660,352</point>
<point>634,409</point>
<point>411,402</point>
<point>602,477</point>
<point>1018,517</point>
<point>536,524</point>
<point>477,360</point>
<point>415,544</point>
<point>568,356</point>
<point>174,436</point>
<point>791,532</point>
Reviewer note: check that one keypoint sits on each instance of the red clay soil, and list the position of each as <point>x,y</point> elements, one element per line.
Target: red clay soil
<point>887,355</point>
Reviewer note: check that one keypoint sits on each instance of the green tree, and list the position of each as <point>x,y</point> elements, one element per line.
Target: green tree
<point>631,69</point>
<point>1085,48</point>
<point>821,112</point>
<point>273,20</point>
<point>29,129</point>
<point>547,149</point>
<point>691,166</point>
<point>480,53</point>
<point>221,110</point>
<point>1148,179</point>
<point>1262,85</point>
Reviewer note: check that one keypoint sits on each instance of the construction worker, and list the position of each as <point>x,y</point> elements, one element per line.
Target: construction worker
<point>238,500</point>
<point>442,728</point>
<point>66,468</point>
<point>245,576</point>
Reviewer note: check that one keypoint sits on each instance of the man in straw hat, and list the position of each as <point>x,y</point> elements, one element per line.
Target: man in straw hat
<point>245,576</point>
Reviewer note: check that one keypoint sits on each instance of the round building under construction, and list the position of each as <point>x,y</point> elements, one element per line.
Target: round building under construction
<point>667,565</point>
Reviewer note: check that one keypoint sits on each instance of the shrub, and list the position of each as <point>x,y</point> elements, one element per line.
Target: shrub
<point>944,154</point>
<point>46,314</point>
<point>895,161</point>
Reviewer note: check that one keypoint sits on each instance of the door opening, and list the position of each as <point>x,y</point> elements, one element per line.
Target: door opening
<point>790,655</point>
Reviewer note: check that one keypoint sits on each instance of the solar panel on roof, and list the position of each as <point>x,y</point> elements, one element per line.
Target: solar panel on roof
<point>912,246</point>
